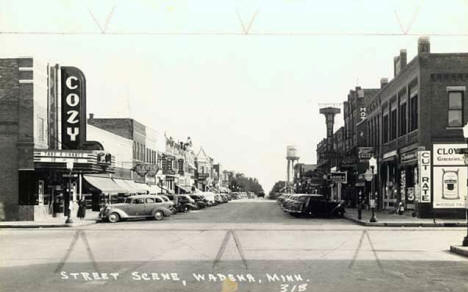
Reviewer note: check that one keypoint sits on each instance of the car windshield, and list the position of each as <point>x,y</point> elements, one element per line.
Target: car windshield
<point>164,198</point>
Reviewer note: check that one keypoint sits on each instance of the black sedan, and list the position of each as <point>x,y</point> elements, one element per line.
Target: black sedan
<point>309,205</point>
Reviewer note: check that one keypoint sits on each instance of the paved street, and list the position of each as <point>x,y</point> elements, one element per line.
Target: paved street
<point>239,246</point>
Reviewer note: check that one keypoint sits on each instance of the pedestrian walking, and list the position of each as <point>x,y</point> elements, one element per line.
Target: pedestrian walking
<point>81,209</point>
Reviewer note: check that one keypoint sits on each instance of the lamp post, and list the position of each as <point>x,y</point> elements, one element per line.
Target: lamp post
<point>359,205</point>
<point>373,166</point>
<point>465,135</point>
<point>68,198</point>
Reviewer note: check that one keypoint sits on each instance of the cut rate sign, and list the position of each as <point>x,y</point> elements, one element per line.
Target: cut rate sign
<point>424,181</point>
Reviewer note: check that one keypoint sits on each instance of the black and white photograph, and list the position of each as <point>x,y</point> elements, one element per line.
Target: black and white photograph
<point>233,145</point>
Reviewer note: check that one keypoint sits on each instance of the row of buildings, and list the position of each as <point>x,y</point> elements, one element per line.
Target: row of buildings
<point>54,154</point>
<point>412,125</point>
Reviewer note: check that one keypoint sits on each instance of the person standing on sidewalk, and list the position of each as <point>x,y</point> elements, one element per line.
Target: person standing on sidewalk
<point>81,209</point>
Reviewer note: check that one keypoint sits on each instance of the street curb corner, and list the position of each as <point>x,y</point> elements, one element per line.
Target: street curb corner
<point>460,251</point>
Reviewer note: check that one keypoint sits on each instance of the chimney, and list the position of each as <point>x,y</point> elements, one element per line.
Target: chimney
<point>383,82</point>
<point>403,60</point>
<point>396,67</point>
<point>424,46</point>
<point>91,116</point>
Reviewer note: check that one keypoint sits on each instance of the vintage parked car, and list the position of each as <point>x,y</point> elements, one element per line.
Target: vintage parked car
<point>139,206</point>
<point>312,205</point>
<point>170,203</point>
<point>184,203</point>
<point>219,199</point>
<point>209,197</point>
<point>199,200</point>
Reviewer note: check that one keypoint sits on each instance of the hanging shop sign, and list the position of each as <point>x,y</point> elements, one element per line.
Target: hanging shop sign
<point>146,169</point>
<point>167,165</point>
<point>362,113</point>
<point>424,182</point>
<point>339,177</point>
<point>73,103</point>
<point>365,153</point>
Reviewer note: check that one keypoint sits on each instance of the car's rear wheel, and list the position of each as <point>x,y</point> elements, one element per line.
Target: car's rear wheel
<point>186,209</point>
<point>113,218</point>
<point>340,213</point>
<point>158,215</point>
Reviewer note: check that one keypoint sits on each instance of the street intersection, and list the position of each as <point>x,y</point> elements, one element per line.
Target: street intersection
<point>239,246</point>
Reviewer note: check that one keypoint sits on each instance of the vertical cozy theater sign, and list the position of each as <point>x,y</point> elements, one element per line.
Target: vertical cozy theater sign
<point>73,108</point>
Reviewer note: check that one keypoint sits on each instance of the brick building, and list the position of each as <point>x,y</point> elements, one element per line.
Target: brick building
<point>423,108</point>
<point>24,90</point>
<point>141,166</point>
<point>36,153</point>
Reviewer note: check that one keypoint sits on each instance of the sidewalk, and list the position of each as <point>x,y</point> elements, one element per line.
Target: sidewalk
<point>385,218</point>
<point>460,250</point>
<point>52,222</point>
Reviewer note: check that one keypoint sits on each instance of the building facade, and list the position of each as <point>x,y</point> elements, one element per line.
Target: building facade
<point>413,126</point>
<point>43,137</point>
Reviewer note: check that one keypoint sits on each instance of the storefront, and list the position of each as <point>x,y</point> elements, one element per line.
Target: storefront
<point>389,177</point>
<point>58,172</point>
<point>408,174</point>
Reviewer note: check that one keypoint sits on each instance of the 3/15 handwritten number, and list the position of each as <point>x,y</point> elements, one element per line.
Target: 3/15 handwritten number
<point>293,288</point>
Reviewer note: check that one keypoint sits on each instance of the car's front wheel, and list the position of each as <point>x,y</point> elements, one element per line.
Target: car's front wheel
<point>113,218</point>
<point>158,215</point>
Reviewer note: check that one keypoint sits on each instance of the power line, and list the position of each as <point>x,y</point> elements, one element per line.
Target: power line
<point>214,33</point>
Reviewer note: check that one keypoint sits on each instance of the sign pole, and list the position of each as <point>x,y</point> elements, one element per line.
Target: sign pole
<point>373,165</point>
<point>465,152</point>
<point>68,202</point>
<point>359,205</point>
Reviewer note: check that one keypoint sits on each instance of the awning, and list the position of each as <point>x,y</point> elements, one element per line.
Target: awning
<point>139,188</point>
<point>104,184</point>
<point>125,185</point>
<point>184,188</point>
<point>191,166</point>
<point>155,189</point>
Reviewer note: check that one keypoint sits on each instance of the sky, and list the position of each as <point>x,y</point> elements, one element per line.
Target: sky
<point>244,79</point>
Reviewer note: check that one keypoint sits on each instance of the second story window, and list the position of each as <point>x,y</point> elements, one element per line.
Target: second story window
<point>393,124</point>
<point>414,112</point>
<point>402,119</point>
<point>385,129</point>
<point>455,109</point>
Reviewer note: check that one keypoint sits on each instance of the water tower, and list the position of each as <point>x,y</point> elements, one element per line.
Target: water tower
<point>291,157</point>
<point>329,113</point>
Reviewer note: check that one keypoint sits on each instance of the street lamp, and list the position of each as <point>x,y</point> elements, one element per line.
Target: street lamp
<point>68,198</point>
<point>465,135</point>
<point>373,166</point>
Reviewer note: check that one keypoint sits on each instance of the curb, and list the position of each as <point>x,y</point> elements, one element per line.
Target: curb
<point>460,251</point>
<point>61,225</point>
<point>407,224</point>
